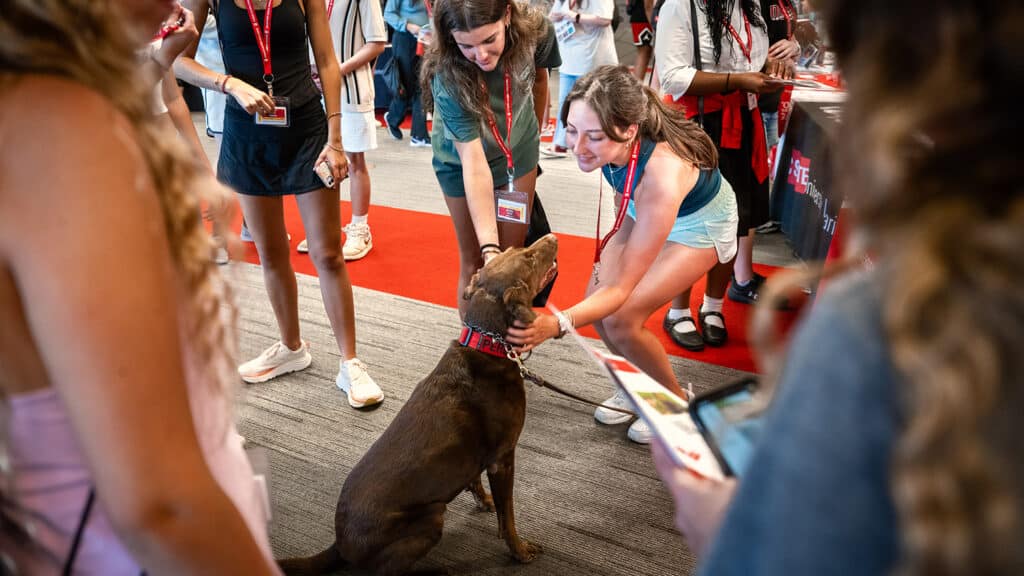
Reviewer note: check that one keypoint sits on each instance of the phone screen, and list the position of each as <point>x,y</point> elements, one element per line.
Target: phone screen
<point>732,424</point>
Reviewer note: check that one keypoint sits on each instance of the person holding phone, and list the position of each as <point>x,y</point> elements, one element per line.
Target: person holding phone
<point>892,444</point>
<point>712,58</point>
<point>275,136</point>
<point>485,69</point>
<point>117,381</point>
<point>676,219</point>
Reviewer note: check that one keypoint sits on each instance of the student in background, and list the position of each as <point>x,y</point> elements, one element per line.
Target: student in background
<point>270,149</point>
<point>357,29</point>
<point>892,445</point>
<point>408,18</point>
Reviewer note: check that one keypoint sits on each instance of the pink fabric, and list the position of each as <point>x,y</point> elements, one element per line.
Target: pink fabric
<point>48,482</point>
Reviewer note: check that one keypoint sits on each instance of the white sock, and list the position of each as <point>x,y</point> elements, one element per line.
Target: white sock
<point>677,313</point>
<point>682,327</point>
<point>712,305</point>
<point>360,219</point>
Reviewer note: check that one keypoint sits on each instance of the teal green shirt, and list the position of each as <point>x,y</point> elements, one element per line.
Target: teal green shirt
<point>453,124</point>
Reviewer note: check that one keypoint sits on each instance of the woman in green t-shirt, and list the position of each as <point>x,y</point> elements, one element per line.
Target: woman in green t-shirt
<point>502,47</point>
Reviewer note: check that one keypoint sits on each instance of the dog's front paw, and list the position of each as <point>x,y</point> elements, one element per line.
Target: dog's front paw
<point>485,504</point>
<point>526,552</point>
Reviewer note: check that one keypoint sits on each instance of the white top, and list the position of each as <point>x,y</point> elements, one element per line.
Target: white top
<point>354,23</point>
<point>673,52</point>
<point>589,46</point>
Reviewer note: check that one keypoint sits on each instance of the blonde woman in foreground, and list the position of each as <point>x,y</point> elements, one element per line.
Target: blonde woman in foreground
<point>117,380</point>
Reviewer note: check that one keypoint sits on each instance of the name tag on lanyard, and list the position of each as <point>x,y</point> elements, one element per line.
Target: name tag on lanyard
<point>510,205</point>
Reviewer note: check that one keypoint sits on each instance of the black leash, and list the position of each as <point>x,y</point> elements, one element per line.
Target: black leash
<point>531,377</point>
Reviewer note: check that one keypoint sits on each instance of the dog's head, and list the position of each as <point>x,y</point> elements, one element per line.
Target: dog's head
<point>511,279</point>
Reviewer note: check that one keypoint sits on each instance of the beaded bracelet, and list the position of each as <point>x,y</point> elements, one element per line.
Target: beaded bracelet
<point>565,323</point>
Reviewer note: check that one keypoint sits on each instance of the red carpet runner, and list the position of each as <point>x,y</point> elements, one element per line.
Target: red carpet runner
<point>415,256</point>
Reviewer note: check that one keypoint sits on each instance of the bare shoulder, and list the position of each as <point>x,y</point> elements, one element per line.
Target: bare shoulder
<point>667,175</point>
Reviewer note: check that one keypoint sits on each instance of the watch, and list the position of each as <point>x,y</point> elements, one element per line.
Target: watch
<point>577,17</point>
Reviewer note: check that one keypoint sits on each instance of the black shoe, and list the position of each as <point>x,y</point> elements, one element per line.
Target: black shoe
<point>768,228</point>
<point>395,131</point>
<point>689,340</point>
<point>713,335</point>
<point>746,294</point>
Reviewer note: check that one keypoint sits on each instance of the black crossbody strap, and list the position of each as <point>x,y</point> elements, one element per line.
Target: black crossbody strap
<point>696,57</point>
<point>76,542</point>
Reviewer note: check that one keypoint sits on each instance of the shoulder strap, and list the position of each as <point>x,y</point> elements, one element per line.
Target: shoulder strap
<point>696,57</point>
<point>76,542</point>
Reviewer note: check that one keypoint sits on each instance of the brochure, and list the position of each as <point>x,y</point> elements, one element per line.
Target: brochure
<point>666,414</point>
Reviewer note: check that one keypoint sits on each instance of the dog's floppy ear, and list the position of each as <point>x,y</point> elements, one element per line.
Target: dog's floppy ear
<point>471,287</point>
<point>517,300</point>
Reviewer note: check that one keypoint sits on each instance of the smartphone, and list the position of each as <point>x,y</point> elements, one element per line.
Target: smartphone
<point>323,170</point>
<point>730,419</point>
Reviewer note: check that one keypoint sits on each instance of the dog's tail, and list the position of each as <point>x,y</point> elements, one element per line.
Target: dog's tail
<point>327,561</point>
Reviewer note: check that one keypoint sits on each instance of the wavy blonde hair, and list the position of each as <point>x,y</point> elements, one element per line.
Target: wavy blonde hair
<point>87,41</point>
<point>930,155</point>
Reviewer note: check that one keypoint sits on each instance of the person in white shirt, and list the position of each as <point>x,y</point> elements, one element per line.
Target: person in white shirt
<point>359,37</point>
<point>717,84</point>
<point>585,41</point>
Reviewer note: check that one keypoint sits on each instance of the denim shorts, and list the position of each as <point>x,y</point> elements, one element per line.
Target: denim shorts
<point>713,226</point>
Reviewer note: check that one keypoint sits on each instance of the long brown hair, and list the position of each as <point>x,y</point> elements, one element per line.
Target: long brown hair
<point>930,151</point>
<point>90,42</point>
<point>620,100</point>
<point>462,77</point>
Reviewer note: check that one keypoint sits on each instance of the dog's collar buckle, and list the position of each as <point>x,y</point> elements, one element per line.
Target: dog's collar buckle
<point>484,342</point>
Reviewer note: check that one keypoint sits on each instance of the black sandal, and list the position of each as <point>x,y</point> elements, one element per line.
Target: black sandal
<point>713,335</point>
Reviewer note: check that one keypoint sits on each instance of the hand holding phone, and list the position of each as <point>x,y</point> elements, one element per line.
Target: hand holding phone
<point>730,419</point>
<point>323,170</point>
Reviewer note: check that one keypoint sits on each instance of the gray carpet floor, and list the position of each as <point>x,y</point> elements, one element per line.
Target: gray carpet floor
<point>583,491</point>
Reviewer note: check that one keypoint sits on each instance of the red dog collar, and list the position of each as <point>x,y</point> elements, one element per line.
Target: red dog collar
<point>472,338</point>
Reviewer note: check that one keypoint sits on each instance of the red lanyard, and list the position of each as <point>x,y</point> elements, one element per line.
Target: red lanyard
<point>430,11</point>
<point>505,148</point>
<point>330,7</point>
<point>263,40</point>
<point>750,37</point>
<point>627,193</point>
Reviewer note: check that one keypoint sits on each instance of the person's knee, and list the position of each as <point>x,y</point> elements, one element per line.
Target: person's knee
<point>620,328</point>
<point>356,163</point>
<point>327,259</point>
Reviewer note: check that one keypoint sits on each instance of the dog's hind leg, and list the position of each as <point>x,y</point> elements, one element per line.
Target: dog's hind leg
<point>327,561</point>
<point>501,475</point>
<point>398,556</point>
<point>484,502</point>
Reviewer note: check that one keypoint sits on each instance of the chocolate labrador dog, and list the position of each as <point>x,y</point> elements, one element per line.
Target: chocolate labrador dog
<point>462,420</point>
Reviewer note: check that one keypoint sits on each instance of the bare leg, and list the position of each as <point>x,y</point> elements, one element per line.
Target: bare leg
<point>744,266</point>
<point>643,59</point>
<point>321,219</point>
<point>265,218</point>
<point>676,268</point>
<point>359,183</point>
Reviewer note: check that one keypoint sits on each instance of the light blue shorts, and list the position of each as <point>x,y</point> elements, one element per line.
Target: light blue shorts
<point>714,225</point>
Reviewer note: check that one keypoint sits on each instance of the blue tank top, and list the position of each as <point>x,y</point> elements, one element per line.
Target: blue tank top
<point>703,191</point>
<point>289,50</point>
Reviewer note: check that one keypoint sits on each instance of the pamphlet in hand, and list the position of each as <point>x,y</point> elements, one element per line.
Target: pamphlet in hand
<point>666,414</point>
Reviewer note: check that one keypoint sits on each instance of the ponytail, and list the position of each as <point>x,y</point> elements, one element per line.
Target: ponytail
<point>687,138</point>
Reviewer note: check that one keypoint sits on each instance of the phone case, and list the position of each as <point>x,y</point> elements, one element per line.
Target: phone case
<point>324,172</point>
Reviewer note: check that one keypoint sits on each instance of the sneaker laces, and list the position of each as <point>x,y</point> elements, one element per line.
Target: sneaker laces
<point>361,230</point>
<point>272,351</point>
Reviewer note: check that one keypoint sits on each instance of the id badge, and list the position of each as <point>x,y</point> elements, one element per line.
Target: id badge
<point>751,100</point>
<point>511,206</point>
<point>564,30</point>
<point>281,116</point>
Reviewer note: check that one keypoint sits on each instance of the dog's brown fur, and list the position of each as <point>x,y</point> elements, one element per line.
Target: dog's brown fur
<point>461,420</point>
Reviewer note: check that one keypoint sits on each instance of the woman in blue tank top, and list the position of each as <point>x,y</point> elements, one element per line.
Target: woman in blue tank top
<point>680,220</point>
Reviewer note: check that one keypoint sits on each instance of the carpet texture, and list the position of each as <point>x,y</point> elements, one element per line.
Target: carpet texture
<point>583,491</point>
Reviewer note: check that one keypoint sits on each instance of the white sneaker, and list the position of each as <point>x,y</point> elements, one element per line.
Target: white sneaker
<point>610,416</point>
<point>357,384</point>
<point>275,361</point>
<point>303,247</point>
<point>358,241</point>
<point>640,432</point>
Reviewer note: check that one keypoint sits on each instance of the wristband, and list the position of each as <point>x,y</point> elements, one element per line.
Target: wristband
<point>332,115</point>
<point>222,83</point>
<point>565,323</point>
